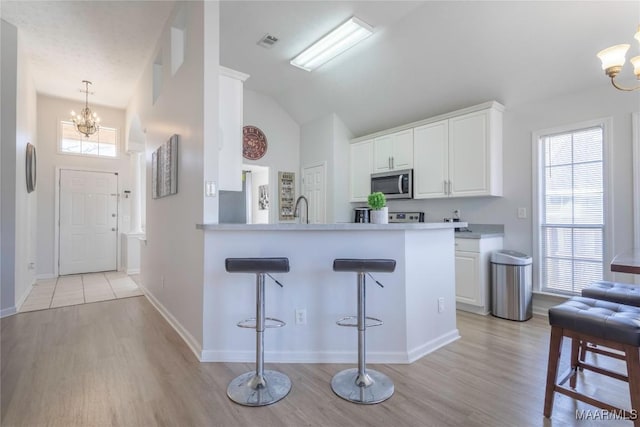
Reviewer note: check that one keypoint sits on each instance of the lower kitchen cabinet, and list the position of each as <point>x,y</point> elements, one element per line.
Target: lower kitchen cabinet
<point>472,273</point>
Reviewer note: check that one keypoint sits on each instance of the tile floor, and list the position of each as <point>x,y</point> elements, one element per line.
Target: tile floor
<point>80,289</point>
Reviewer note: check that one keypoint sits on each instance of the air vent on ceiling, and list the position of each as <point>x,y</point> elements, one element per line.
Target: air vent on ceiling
<point>267,41</point>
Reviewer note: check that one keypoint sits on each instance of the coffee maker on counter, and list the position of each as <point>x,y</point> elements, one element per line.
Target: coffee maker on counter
<point>361,215</point>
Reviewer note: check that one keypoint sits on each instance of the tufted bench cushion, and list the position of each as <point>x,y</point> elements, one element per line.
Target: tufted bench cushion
<point>622,293</point>
<point>602,319</point>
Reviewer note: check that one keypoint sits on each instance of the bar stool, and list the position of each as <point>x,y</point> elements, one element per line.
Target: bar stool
<point>260,387</point>
<point>361,385</point>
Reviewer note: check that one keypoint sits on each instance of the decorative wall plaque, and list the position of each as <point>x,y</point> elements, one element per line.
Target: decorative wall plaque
<point>254,143</point>
<point>286,195</point>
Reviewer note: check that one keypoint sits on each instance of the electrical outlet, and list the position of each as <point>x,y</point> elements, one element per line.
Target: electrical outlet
<point>522,213</point>
<point>440,305</point>
<point>301,316</point>
<point>210,189</point>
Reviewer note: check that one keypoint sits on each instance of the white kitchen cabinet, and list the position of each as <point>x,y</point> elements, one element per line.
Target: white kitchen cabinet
<point>431,160</point>
<point>231,86</point>
<point>472,273</point>
<point>475,154</point>
<point>393,151</point>
<point>361,166</point>
<point>460,156</point>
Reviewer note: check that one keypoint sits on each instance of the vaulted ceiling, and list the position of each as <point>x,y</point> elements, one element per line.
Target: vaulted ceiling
<point>424,58</point>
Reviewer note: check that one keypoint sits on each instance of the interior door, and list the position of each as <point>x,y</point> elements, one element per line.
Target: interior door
<point>88,221</point>
<point>314,191</point>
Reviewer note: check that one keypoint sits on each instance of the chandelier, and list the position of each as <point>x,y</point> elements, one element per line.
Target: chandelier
<point>86,122</point>
<point>613,59</point>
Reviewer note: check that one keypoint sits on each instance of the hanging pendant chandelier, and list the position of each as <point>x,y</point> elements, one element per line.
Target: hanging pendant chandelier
<point>614,57</point>
<point>86,122</point>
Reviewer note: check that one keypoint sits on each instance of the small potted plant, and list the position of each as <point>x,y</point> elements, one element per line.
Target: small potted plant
<point>379,210</point>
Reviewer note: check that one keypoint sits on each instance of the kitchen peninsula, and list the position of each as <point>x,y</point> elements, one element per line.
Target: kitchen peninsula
<point>417,302</point>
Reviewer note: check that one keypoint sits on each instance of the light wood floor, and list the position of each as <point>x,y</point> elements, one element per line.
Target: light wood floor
<point>119,363</point>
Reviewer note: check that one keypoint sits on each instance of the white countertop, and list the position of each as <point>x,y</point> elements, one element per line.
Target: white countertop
<point>347,226</point>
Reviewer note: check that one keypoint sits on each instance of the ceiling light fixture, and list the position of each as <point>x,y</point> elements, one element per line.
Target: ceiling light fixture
<point>333,44</point>
<point>86,122</point>
<point>613,59</point>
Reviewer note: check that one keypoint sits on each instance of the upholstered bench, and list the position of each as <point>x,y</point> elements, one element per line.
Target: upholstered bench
<point>603,323</point>
<point>622,293</point>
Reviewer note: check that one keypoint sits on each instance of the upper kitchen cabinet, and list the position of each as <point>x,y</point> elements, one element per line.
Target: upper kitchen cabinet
<point>361,166</point>
<point>393,151</point>
<point>431,160</point>
<point>475,154</point>
<point>460,156</point>
<point>231,86</point>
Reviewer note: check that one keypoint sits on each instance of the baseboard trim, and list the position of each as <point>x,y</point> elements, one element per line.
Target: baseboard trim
<point>191,342</point>
<point>387,357</point>
<point>8,311</point>
<point>483,311</point>
<point>133,271</point>
<point>242,356</point>
<point>23,297</point>
<point>431,346</point>
<point>46,276</point>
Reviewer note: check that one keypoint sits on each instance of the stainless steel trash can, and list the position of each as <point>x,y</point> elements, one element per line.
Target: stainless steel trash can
<point>511,288</point>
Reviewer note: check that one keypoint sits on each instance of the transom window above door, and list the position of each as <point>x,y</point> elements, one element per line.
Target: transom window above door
<point>103,143</point>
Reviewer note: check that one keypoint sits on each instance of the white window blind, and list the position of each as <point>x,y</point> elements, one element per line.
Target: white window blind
<point>571,224</point>
<point>103,143</point>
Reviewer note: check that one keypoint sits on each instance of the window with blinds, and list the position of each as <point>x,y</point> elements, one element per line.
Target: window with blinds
<point>571,220</point>
<point>103,143</point>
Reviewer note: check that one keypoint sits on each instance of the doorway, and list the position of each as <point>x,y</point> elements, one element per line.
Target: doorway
<point>88,221</point>
<point>314,189</point>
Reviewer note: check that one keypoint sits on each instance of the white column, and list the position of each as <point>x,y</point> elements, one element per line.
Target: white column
<point>136,192</point>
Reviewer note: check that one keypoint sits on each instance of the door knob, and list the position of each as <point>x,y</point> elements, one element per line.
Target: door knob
<point>113,229</point>
<point>113,215</point>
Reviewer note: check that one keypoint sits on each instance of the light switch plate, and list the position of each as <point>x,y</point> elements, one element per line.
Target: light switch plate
<point>522,213</point>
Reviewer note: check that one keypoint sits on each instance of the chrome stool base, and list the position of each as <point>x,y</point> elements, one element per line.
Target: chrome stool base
<point>249,390</point>
<point>344,384</point>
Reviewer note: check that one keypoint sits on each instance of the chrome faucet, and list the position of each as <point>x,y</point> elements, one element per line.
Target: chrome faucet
<point>295,209</point>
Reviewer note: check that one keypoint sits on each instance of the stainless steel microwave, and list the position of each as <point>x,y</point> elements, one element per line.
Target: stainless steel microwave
<point>394,184</point>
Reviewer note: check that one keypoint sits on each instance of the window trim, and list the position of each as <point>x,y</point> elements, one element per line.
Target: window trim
<point>94,156</point>
<point>536,201</point>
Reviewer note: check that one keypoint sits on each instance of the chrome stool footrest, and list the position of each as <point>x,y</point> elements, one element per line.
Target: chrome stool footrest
<point>251,323</point>
<point>352,322</point>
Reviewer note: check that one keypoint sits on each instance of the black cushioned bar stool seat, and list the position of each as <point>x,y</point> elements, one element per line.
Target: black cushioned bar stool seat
<point>260,387</point>
<point>362,385</point>
<point>364,265</point>
<point>257,265</point>
<point>603,323</point>
<point>622,293</point>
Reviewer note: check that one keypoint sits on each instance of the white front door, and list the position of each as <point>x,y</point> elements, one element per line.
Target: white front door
<point>314,190</point>
<point>88,221</point>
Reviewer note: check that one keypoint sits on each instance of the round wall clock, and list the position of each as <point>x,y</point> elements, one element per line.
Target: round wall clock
<point>254,143</point>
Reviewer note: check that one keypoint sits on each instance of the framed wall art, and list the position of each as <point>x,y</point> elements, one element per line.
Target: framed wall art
<point>30,167</point>
<point>286,195</point>
<point>164,169</point>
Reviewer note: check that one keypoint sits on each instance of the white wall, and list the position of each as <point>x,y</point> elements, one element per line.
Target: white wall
<point>50,111</point>
<point>18,208</point>
<point>283,139</point>
<point>327,140</point>
<point>26,203</point>
<point>172,262</point>
<point>519,123</point>
<point>8,89</point>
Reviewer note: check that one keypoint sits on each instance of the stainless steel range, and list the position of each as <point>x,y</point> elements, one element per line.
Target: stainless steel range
<point>395,217</point>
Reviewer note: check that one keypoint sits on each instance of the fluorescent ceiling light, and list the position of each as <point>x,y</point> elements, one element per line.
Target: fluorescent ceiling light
<point>333,44</point>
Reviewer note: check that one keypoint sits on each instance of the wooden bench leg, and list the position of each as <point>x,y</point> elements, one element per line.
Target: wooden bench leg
<point>555,347</point>
<point>633,370</point>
